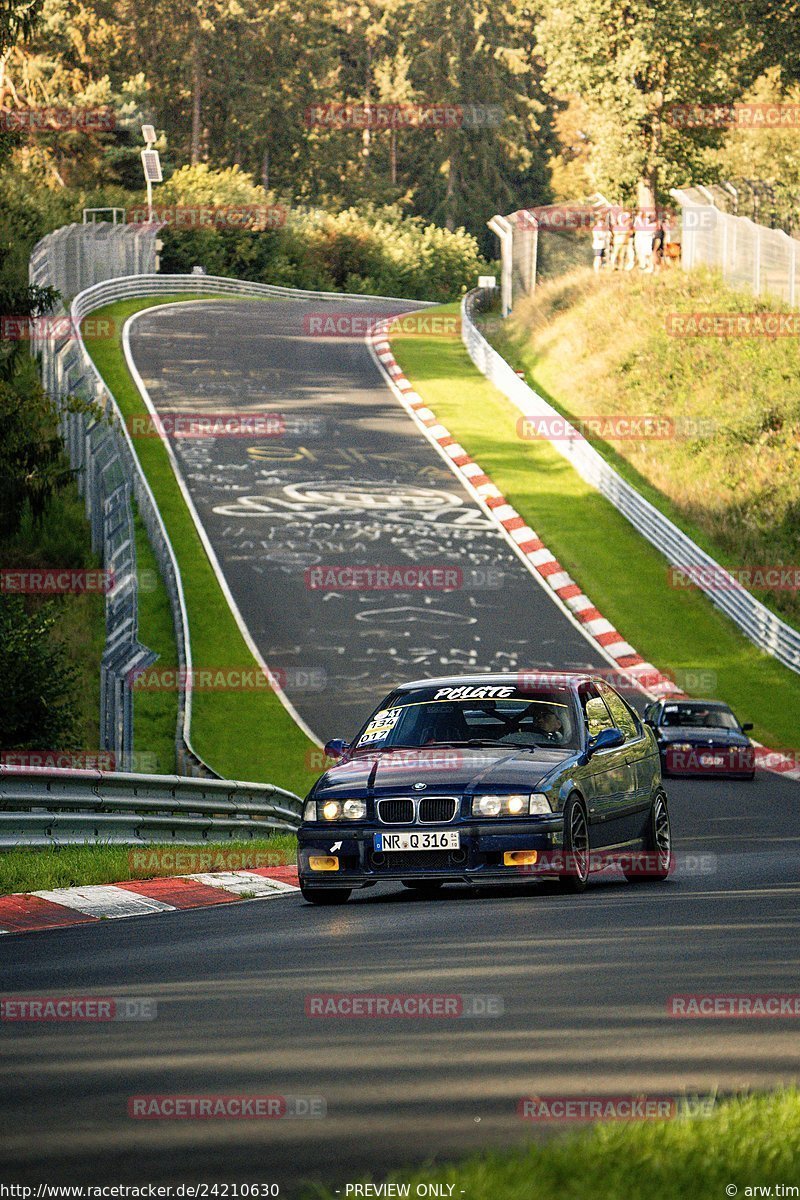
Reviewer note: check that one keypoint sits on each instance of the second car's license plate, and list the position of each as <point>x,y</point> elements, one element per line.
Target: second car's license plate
<point>712,760</point>
<point>448,839</point>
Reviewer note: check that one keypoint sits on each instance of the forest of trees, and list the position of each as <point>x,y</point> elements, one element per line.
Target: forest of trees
<point>578,93</point>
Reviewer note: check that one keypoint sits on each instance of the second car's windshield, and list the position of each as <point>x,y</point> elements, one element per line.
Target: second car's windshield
<point>541,720</point>
<point>688,715</point>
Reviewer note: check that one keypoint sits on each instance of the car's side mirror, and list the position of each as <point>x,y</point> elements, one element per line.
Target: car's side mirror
<point>336,748</point>
<point>748,725</point>
<point>607,739</point>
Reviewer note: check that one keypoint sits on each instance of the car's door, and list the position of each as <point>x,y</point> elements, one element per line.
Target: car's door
<point>605,775</point>
<point>633,803</point>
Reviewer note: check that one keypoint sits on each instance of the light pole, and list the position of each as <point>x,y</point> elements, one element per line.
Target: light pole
<point>151,165</point>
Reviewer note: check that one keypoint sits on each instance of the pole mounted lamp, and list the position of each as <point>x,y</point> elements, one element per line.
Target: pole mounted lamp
<point>151,165</point>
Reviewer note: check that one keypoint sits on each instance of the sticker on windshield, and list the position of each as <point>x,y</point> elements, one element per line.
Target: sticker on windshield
<point>381,724</point>
<point>464,692</point>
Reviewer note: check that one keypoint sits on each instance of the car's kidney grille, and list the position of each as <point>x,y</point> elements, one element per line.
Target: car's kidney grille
<point>436,808</point>
<point>396,812</point>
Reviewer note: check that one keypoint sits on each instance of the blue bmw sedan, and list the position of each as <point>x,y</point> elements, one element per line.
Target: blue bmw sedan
<point>487,778</point>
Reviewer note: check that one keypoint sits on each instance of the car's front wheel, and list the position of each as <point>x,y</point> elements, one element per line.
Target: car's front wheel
<point>325,895</point>
<point>658,846</point>
<point>576,847</point>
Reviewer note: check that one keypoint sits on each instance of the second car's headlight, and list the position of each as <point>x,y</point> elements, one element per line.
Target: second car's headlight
<point>510,806</point>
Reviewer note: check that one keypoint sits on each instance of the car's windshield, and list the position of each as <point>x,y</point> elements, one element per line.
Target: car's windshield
<point>533,720</point>
<point>700,716</point>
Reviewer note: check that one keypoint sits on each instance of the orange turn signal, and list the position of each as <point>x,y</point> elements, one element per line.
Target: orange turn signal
<point>323,862</point>
<point>520,858</point>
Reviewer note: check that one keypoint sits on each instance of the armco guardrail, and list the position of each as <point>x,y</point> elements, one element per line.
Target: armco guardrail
<point>763,627</point>
<point>42,808</point>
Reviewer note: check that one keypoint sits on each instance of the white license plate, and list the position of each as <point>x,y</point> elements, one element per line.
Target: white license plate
<point>430,839</point>
<point>712,760</point>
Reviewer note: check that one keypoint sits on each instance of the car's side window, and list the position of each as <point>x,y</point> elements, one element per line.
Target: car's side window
<point>623,717</point>
<point>595,713</point>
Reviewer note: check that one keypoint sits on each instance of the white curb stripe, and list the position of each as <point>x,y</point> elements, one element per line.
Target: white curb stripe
<point>504,512</point>
<point>105,900</point>
<point>239,882</point>
<point>600,625</point>
<point>579,603</point>
<point>560,579</point>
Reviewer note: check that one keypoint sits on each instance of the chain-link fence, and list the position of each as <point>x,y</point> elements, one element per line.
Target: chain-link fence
<point>545,243</point>
<point>753,257</point>
<point>107,472</point>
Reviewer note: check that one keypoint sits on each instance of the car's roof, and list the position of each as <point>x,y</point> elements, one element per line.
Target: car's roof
<point>699,703</point>
<point>519,679</point>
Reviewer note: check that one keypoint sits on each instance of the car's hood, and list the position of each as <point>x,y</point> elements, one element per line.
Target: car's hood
<point>702,737</point>
<point>441,768</point>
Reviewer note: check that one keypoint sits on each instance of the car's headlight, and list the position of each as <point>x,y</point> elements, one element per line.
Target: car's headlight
<point>510,806</point>
<point>335,810</point>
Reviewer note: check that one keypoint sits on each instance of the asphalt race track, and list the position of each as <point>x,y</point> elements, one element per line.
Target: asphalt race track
<point>350,480</point>
<point>583,981</point>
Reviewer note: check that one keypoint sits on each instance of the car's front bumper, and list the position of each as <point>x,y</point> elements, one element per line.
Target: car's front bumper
<point>479,857</point>
<point>729,762</point>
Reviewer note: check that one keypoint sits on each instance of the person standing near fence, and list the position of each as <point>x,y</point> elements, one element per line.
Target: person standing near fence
<point>645,228</point>
<point>622,241</point>
<point>600,241</point>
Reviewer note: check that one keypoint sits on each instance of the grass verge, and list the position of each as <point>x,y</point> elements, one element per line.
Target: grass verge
<point>743,1143</point>
<point>156,713</point>
<point>245,734</point>
<point>679,631</point>
<point>34,868</point>
<point>725,464</point>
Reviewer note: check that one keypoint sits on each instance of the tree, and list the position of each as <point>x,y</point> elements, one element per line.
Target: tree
<point>38,679</point>
<point>764,153</point>
<point>633,62</point>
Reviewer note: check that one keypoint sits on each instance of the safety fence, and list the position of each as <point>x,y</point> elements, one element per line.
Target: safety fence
<point>762,626</point>
<point>61,807</point>
<point>750,256</point>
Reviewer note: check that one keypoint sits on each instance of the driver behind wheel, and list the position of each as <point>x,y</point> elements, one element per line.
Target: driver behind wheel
<point>547,724</point>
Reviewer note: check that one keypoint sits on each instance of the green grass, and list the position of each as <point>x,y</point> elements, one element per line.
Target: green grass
<point>33,868</point>
<point>600,346</point>
<point>155,712</point>
<point>244,734</point>
<point>679,631</point>
<point>748,1142</point>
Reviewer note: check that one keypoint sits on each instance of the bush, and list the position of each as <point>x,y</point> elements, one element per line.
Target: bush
<point>369,250</point>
